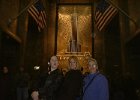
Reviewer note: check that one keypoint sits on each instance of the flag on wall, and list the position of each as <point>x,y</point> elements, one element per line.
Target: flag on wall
<point>37,11</point>
<point>103,14</point>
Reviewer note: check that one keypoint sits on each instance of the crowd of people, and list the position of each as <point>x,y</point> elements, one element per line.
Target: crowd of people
<point>55,85</point>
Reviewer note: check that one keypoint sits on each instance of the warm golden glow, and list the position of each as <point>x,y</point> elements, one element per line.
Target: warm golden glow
<point>82,57</point>
<point>74,18</point>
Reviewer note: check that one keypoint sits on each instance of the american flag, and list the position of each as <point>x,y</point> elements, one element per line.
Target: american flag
<point>103,14</point>
<point>37,11</point>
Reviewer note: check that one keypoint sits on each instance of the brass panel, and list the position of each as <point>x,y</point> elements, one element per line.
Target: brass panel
<point>74,22</point>
<point>84,28</point>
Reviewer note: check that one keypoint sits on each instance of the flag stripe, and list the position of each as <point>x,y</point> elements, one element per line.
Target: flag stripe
<point>110,12</point>
<point>44,18</point>
<point>107,20</point>
<point>33,13</point>
<point>102,19</point>
<point>38,13</point>
<point>107,17</point>
<point>103,14</point>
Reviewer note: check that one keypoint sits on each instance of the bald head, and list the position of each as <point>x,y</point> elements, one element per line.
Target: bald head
<point>54,62</point>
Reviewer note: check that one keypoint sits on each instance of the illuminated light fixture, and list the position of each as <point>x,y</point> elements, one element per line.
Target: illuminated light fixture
<point>36,67</point>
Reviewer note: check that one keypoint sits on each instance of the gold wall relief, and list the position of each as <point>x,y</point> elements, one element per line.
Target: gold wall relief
<point>74,36</point>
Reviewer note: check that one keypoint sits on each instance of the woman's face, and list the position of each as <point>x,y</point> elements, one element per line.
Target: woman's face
<point>73,64</point>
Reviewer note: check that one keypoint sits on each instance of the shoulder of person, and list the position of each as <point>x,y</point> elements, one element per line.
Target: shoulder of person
<point>58,71</point>
<point>101,77</point>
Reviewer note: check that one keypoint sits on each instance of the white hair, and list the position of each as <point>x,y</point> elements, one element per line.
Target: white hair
<point>93,60</point>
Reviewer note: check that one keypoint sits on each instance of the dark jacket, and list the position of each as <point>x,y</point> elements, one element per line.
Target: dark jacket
<point>6,87</point>
<point>72,85</point>
<point>49,84</point>
<point>22,79</point>
<point>98,88</point>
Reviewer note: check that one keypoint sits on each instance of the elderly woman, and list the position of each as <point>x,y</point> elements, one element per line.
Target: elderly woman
<point>72,82</point>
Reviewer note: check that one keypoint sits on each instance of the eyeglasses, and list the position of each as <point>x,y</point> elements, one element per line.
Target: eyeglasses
<point>93,65</point>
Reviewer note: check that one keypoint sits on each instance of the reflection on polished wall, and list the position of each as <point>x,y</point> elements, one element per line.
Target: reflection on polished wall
<point>74,36</point>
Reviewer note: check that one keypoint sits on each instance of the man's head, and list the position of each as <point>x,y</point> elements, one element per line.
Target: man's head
<point>54,63</point>
<point>92,65</point>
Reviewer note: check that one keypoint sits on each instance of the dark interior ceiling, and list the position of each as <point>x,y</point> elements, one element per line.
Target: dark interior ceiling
<point>73,1</point>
